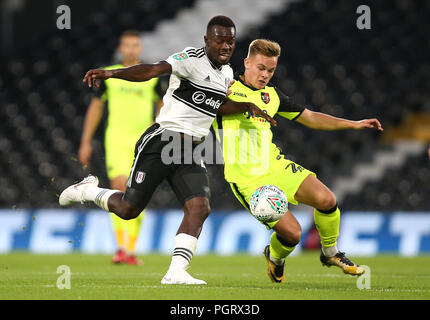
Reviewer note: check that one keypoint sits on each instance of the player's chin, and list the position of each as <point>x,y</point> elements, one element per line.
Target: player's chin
<point>224,59</point>
<point>260,85</point>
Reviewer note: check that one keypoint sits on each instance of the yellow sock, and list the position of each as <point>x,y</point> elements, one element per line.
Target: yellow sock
<point>279,251</point>
<point>328,226</point>
<point>120,231</point>
<point>133,228</point>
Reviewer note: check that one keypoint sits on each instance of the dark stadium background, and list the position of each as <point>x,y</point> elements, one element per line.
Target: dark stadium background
<point>381,180</point>
<point>326,63</point>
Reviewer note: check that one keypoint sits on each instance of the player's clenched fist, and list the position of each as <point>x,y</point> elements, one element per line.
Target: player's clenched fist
<point>93,77</point>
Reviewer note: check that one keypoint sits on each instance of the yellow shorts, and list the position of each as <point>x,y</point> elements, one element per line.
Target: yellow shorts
<point>287,175</point>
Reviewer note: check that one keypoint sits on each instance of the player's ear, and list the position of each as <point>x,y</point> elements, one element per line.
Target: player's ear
<point>246,62</point>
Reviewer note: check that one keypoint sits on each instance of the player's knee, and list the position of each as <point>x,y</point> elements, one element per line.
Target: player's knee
<point>290,239</point>
<point>129,212</point>
<point>203,211</point>
<point>294,238</point>
<point>327,202</point>
<point>198,208</point>
<point>289,235</point>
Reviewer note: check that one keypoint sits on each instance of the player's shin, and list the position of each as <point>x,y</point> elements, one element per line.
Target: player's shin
<point>327,223</point>
<point>279,249</point>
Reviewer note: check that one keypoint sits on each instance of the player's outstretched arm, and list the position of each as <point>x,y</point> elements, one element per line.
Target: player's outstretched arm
<point>322,121</point>
<point>230,107</point>
<point>136,73</point>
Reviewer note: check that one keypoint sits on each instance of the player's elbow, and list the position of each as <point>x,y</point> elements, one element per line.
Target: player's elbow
<point>309,119</point>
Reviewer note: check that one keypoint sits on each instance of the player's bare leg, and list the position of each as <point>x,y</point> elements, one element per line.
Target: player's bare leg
<point>286,236</point>
<point>196,210</point>
<point>327,220</point>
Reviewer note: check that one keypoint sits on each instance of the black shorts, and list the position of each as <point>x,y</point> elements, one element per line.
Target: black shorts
<point>163,154</point>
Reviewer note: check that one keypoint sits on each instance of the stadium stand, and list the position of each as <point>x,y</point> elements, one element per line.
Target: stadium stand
<point>406,188</point>
<point>327,64</point>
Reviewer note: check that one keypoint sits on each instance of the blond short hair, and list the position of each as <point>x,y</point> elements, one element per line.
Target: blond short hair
<point>265,47</point>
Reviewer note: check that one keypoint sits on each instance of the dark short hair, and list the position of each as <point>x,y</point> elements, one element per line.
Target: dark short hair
<point>222,21</point>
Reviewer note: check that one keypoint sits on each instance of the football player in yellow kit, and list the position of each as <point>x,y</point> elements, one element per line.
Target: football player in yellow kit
<point>252,160</point>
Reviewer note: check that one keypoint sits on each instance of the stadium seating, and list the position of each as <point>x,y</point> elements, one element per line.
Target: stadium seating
<point>406,188</point>
<point>326,64</point>
<point>330,65</point>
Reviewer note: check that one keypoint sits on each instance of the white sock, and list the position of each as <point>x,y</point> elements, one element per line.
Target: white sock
<point>330,251</point>
<point>99,196</point>
<point>185,245</point>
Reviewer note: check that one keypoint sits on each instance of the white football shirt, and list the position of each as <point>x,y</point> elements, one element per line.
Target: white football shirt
<point>196,90</point>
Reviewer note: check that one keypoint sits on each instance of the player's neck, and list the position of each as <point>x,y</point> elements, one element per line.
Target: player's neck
<point>216,64</point>
<point>246,83</point>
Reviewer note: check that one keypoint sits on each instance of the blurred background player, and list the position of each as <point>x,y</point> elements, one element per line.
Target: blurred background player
<point>130,112</point>
<point>265,165</point>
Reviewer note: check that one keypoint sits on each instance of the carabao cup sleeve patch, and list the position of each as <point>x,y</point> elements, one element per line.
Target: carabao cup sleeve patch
<point>180,56</point>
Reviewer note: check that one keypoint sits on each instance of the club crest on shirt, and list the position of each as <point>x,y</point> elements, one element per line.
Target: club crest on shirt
<point>140,176</point>
<point>265,97</point>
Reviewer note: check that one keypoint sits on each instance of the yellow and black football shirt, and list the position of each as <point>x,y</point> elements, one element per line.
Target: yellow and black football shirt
<point>130,105</point>
<point>130,108</point>
<point>246,141</point>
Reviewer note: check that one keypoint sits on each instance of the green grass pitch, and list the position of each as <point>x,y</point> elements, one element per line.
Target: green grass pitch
<point>238,277</point>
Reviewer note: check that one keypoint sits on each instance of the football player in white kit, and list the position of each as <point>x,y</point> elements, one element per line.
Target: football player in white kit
<point>199,81</point>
